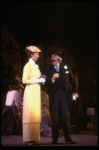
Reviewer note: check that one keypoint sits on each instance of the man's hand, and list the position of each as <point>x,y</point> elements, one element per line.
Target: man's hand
<point>75,94</point>
<point>56,75</point>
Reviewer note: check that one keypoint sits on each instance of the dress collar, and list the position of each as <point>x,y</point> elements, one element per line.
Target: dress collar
<point>32,61</point>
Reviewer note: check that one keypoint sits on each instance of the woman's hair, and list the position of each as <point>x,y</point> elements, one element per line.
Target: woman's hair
<point>28,53</point>
<point>12,83</point>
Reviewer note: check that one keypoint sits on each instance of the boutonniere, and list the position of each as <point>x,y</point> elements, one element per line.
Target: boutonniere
<point>65,67</point>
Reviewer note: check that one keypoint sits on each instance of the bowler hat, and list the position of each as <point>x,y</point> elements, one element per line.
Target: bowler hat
<point>56,51</point>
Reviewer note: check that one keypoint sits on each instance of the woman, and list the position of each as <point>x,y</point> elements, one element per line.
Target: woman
<point>11,122</point>
<point>32,97</point>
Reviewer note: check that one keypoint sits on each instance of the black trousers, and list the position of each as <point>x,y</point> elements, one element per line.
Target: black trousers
<point>59,110</point>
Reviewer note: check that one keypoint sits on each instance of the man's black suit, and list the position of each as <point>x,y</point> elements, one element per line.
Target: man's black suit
<point>59,98</point>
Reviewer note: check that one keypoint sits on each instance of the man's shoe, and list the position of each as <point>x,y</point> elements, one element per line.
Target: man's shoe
<point>54,142</point>
<point>73,142</point>
<point>69,140</point>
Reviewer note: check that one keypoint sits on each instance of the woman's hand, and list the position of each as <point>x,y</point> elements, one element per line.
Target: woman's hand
<point>41,80</point>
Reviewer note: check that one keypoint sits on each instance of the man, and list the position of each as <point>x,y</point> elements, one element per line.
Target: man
<point>57,81</point>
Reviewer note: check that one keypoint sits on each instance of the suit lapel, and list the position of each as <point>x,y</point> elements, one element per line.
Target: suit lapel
<point>53,69</point>
<point>63,75</point>
<point>62,70</point>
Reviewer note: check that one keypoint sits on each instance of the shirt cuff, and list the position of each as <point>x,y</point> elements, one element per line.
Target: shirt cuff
<point>53,81</point>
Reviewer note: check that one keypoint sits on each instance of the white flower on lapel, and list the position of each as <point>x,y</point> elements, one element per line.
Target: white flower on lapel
<point>65,67</point>
<point>66,72</point>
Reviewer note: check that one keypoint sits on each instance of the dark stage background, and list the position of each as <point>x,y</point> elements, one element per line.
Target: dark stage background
<point>72,26</point>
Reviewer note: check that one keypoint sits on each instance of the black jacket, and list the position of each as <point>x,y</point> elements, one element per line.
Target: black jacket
<point>67,77</point>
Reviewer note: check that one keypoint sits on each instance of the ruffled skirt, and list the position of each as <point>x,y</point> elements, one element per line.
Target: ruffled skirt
<point>10,121</point>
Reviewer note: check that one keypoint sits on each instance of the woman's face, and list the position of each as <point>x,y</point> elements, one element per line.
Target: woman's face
<point>35,56</point>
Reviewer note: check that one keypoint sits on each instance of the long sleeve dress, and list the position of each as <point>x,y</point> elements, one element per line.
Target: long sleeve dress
<point>31,102</point>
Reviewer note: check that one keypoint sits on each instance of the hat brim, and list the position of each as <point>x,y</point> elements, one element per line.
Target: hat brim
<point>55,54</point>
<point>33,49</point>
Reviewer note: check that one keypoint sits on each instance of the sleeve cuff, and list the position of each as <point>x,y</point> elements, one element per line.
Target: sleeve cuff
<point>53,81</point>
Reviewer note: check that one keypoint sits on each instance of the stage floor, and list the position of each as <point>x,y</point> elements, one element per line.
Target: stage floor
<point>81,140</point>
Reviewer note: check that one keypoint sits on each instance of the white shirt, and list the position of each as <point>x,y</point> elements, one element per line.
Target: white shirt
<point>55,69</point>
<point>12,98</point>
<point>57,66</point>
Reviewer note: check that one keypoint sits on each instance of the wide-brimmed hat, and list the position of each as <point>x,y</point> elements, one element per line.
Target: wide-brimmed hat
<point>33,49</point>
<point>56,51</point>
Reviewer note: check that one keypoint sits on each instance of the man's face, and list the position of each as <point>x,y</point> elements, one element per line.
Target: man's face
<point>54,59</point>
